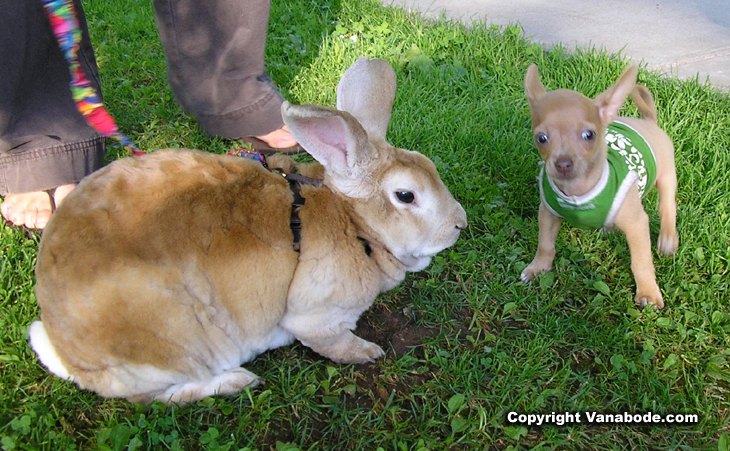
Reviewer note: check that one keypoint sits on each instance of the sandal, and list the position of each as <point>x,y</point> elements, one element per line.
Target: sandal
<point>51,195</point>
<point>262,147</point>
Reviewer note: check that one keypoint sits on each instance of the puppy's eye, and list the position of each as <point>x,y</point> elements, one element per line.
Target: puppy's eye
<point>406,197</point>
<point>589,135</point>
<point>541,138</point>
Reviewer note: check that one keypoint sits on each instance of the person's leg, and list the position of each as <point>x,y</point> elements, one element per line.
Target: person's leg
<point>45,143</point>
<point>215,65</point>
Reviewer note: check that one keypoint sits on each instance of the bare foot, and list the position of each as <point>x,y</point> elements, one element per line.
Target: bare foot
<point>279,138</point>
<point>32,210</point>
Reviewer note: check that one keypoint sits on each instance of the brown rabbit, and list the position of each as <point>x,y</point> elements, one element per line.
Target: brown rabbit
<point>160,275</point>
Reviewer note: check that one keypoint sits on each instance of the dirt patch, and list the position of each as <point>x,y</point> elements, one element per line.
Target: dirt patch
<point>393,325</point>
<point>394,329</point>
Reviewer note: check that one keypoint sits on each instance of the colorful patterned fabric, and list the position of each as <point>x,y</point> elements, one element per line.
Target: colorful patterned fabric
<point>249,154</point>
<point>65,25</point>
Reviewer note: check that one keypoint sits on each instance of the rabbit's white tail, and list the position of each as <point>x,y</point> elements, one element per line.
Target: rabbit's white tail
<point>42,346</point>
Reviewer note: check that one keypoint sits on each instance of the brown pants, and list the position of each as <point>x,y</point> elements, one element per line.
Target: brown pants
<point>215,64</point>
<point>215,56</point>
<point>44,141</point>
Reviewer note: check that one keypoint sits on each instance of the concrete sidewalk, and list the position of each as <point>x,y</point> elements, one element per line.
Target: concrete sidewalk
<point>681,38</point>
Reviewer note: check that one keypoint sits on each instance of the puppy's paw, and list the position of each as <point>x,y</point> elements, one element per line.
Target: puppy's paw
<point>652,297</point>
<point>532,271</point>
<point>668,242</point>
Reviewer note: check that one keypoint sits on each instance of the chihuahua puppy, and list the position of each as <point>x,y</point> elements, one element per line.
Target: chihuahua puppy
<point>597,167</point>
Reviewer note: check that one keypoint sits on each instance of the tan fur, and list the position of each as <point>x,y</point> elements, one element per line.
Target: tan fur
<point>159,275</point>
<point>575,165</point>
<point>287,165</point>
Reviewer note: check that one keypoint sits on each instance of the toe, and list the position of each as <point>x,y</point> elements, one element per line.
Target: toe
<point>6,208</point>
<point>29,218</point>
<point>31,210</point>
<point>42,219</point>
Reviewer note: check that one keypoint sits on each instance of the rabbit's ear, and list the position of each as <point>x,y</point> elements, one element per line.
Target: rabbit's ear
<point>367,91</point>
<point>334,138</point>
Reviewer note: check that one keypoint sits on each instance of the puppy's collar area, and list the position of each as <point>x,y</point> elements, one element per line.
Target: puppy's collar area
<point>587,197</point>
<point>295,183</point>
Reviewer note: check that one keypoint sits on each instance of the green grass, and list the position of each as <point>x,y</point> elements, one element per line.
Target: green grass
<point>478,343</point>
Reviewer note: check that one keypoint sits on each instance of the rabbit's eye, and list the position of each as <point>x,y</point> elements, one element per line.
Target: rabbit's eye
<point>589,135</point>
<point>541,138</point>
<point>405,196</point>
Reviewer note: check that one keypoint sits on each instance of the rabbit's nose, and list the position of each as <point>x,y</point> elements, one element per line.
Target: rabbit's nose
<point>461,219</point>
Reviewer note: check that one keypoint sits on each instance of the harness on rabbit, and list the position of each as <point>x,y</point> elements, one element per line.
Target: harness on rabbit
<point>295,183</point>
<point>295,223</point>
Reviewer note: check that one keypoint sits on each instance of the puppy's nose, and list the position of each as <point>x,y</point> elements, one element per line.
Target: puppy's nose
<point>564,165</point>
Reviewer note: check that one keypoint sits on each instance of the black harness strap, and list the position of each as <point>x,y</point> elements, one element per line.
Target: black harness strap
<point>295,183</point>
<point>295,222</point>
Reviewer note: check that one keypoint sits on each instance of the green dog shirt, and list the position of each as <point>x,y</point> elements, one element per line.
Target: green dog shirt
<point>630,159</point>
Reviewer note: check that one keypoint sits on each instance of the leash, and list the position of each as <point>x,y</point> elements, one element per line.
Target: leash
<point>65,25</point>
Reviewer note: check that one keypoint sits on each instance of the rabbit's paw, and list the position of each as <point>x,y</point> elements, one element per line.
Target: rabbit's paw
<point>226,383</point>
<point>346,348</point>
<point>363,352</point>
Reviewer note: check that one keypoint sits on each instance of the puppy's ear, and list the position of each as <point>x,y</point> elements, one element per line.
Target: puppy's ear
<point>533,86</point>
<point>611,100</point>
